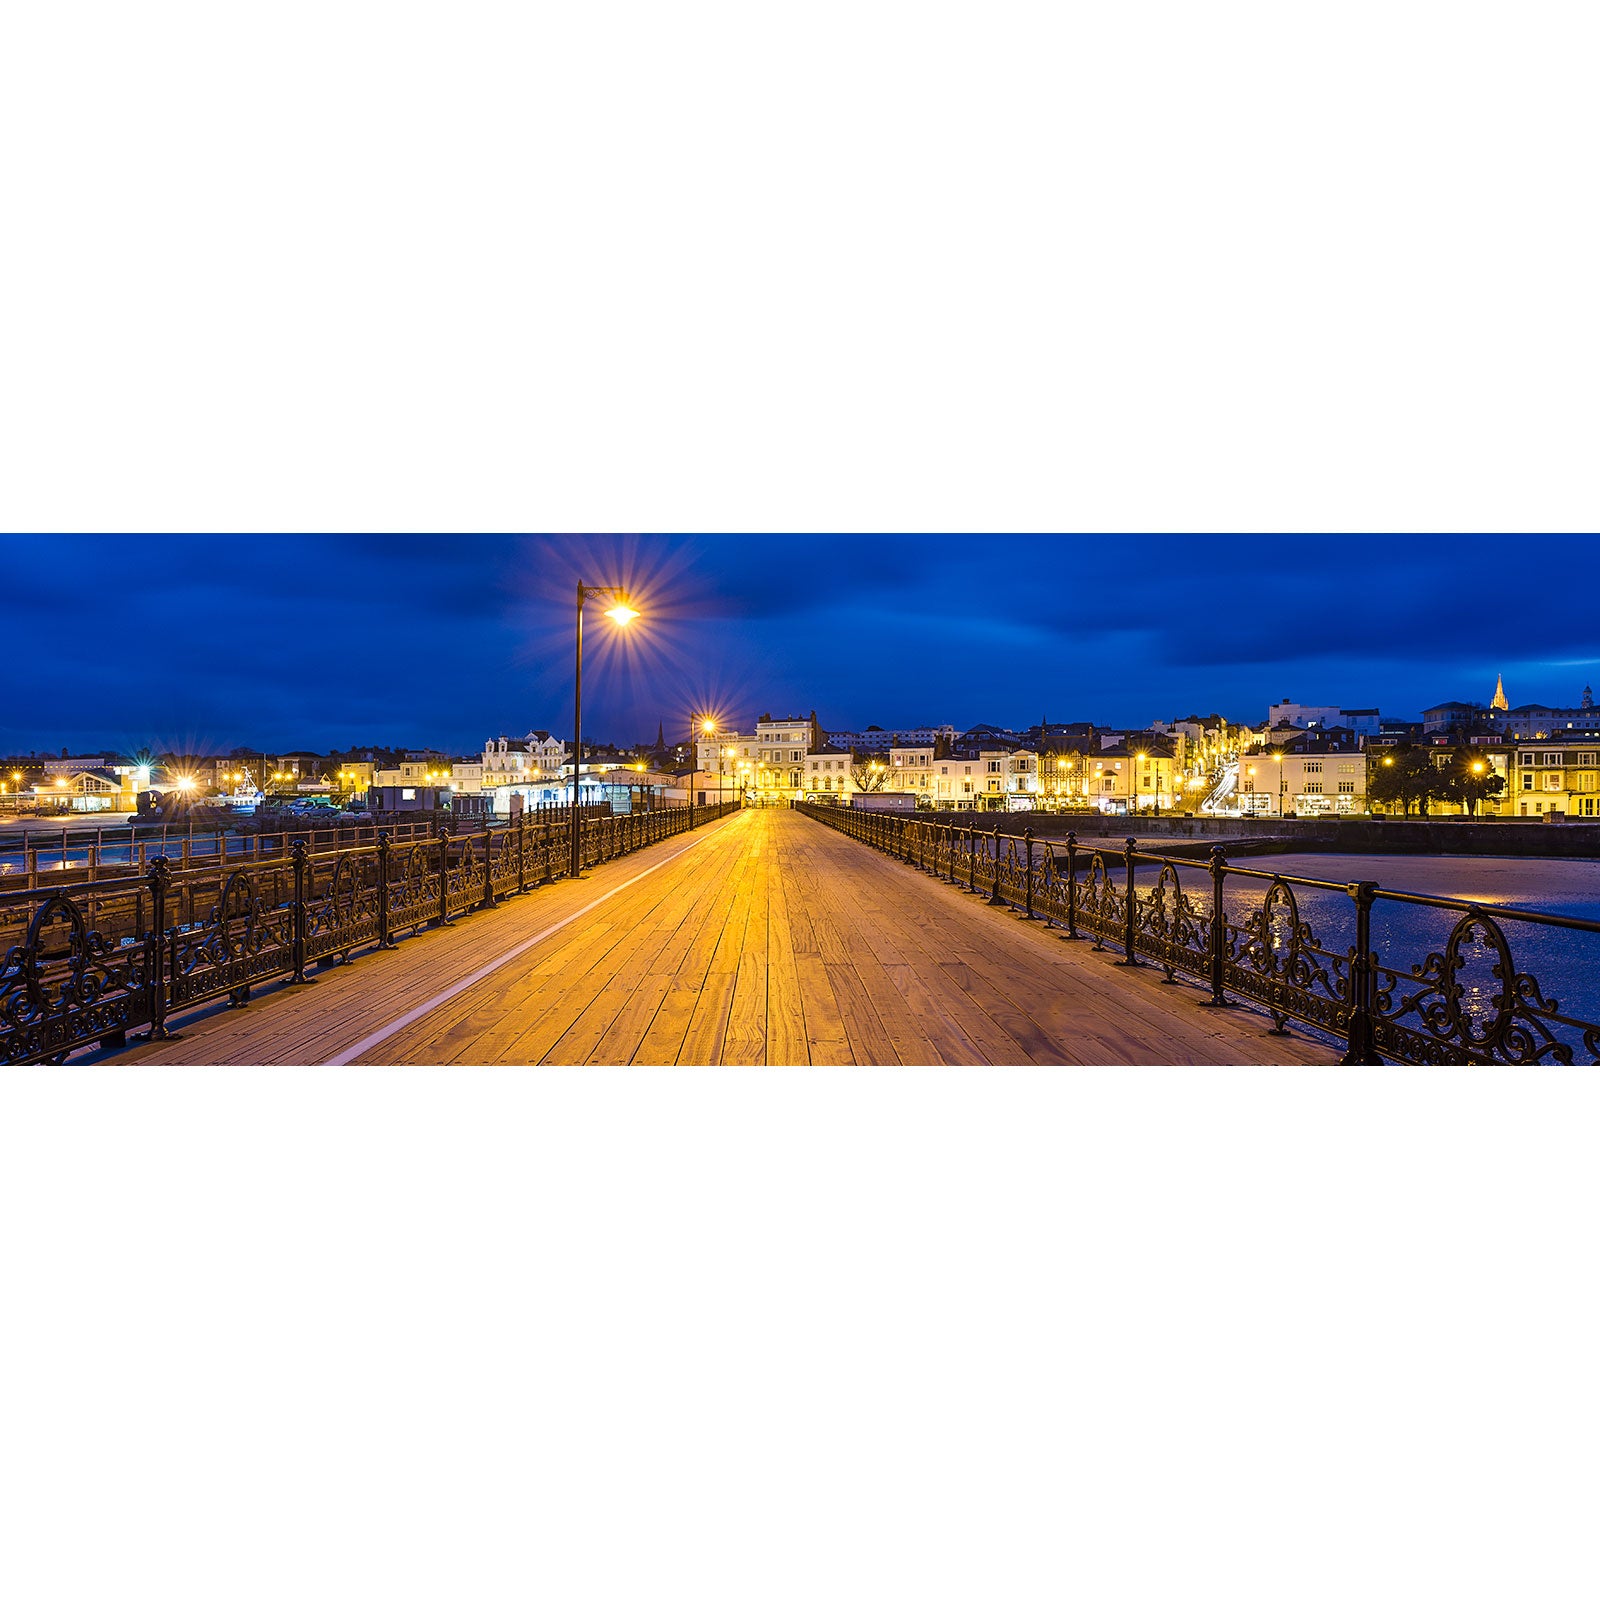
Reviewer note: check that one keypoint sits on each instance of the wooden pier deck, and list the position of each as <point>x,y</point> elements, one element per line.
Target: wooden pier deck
<point>763,938</point>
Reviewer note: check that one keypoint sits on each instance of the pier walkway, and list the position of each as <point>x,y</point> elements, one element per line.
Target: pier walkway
<point>761,938</point>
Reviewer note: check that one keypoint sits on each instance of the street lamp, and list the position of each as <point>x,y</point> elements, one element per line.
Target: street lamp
<point>622,614</point>
<point>1277,755</point>
<point>708,726</point>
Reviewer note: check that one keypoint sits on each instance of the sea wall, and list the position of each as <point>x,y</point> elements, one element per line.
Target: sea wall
<point>1456,836</point>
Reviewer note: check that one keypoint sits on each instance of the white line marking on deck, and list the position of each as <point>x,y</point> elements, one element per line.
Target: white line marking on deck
<point>388,1031</point>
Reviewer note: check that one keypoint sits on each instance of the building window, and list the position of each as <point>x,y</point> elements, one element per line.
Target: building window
<point>1314,766</point>
<point>1347,786</point>
<point>1314,787</point>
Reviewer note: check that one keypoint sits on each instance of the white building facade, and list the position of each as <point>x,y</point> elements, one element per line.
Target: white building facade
<point>767,765</point>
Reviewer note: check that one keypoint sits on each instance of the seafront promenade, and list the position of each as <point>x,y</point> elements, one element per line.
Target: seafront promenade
<point>762,938</point>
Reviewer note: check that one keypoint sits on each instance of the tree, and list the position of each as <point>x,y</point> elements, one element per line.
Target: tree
<point>1406,776</point>
<point>868,775</point>
<point>1471,778</point>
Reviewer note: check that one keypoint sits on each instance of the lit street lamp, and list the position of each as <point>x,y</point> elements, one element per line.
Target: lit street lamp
<point>708,726</point>
<point>622,614</point>
<point>1277,755</point>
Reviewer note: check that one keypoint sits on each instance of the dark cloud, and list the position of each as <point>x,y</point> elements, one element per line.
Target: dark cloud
<point>287,640</point>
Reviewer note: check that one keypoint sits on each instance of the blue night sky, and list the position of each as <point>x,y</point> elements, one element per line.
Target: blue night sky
<point>203,642</point>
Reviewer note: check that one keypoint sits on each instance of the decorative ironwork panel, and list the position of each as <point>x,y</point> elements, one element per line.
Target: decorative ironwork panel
<point>1052,886</point>
<point>413,885</point>
<point>1171,928</point>
<point>1469,1003</point>
<point>344,914</point>
<point>67,985</point>
<point>464,885</point>
<point>1100,902</point>
<point>246,938</point>
<point>1276,959</point>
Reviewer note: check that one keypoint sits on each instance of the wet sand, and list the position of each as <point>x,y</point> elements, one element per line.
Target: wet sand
<point>1530,883</point>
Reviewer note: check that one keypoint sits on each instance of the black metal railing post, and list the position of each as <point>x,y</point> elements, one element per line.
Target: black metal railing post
<point>995,897</point>
<point>1219,932</point>
<point>1361,1048</point>
<point>488,868</point>
<point>160,876</point>
<point>297,920</point>
<point>1130,910</point>
<point>1072,887</point>
<point>522,860</point>
<point>385,932</point>
<point>1027,839</point>
<point>443,918</point>
<point>972,862</point>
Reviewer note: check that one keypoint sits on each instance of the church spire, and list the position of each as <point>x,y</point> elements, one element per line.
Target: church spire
<point>1499,703</point>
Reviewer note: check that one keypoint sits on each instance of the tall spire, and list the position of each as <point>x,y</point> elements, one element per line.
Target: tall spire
<point>1499,703</point>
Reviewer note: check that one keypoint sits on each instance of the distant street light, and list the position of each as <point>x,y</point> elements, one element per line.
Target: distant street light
<point>622,614</point>
<point>708,726</point>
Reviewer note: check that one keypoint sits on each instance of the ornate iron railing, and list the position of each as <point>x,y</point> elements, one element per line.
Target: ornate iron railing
<point>73,854</point>
<point>1395,976</point>
<point>92,962</point>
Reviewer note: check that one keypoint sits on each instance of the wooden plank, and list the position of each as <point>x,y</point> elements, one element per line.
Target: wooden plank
<point>827,1042</point>
<point>869,1039</point>
<point>787,1043</point>
<point>703,1038</point>
<point>663,1039</point>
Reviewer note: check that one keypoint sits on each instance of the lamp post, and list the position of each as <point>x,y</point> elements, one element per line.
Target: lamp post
<point>708,725</point>
<point>622,614</point>
<point>1277,755</point>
